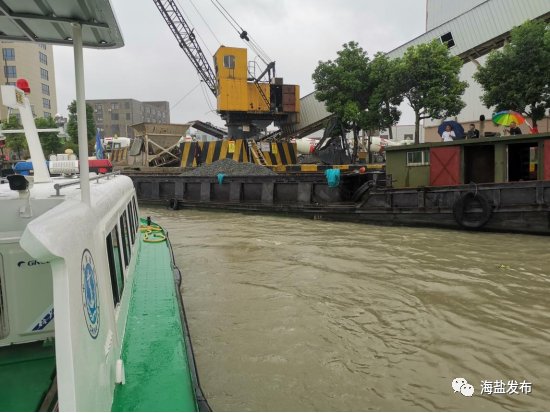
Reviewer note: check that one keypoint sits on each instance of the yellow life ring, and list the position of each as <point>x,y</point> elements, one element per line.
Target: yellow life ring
<point>154,236</point>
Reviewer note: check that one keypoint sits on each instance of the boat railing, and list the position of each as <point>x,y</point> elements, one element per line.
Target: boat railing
<point>58,187</point>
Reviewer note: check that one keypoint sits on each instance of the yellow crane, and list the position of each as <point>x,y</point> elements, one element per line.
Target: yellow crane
<point>246,102</point>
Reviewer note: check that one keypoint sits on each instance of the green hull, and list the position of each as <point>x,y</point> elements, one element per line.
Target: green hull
<point>157,370</point>
<point>26,374</point>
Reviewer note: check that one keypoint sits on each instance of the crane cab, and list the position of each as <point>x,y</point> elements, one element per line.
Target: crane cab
<point>236,93</point>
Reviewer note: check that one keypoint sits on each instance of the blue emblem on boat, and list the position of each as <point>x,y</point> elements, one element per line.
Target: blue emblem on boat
<point>90,295</point>
<point>44,321</point>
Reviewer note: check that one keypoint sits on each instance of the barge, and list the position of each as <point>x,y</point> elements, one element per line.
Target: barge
<point>495,184</point>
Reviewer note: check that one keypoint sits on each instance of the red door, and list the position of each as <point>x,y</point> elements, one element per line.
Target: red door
<point>445,166</point>
<point>546,175</point>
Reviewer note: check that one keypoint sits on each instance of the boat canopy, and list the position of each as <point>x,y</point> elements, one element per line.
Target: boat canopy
<point>50,21</point>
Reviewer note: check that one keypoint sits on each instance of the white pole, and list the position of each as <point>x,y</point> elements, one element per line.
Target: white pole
<point>81,114</point>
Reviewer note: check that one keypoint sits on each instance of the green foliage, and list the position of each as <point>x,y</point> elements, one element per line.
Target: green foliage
<point>15,141</point>
<point>72,126</point>
<point>343,84</point>
<point>429,76</point>
<point>49,140</point>
<point>345,88</point>
<point>383,110</point>
<point>516,77</point>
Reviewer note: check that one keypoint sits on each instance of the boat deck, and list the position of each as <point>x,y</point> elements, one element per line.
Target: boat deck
<point>27,372</point>
<point>158,377</point>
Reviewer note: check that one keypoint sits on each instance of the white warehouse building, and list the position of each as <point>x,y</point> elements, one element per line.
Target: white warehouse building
<point>471,29</point>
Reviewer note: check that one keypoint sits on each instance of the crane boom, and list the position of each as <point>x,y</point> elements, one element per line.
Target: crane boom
<point>187,41</point>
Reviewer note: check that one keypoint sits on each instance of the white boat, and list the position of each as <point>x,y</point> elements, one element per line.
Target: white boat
<point>91,317</point>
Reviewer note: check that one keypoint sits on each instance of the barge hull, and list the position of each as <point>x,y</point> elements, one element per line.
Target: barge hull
<point>520,207</point>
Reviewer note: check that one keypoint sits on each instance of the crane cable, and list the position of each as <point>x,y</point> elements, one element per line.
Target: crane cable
<point>182,9</point>
<point>243,34</point>
<point>205,22</point>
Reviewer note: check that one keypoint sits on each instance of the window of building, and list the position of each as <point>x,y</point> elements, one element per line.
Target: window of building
<point>229,61</point>
<point>147,110</point>
<point>100,119</point>
<point>114,116</point>
<point>45,89</point>
<point>115,265</point>
<point>47,115</point>
<point>10,71</point>
<point>43,58</point>
<point>46,103</point>
<point>44,74</point>
<point>128,116</point>
<point>99,107</point>
<point>408,136</point>
<point>115,130</point>
<point>126,105</point>
<point>42,46</point>
<point>447,39</point>
<point>418,158</point>
<point>114,106</point>
<point>8,54</point>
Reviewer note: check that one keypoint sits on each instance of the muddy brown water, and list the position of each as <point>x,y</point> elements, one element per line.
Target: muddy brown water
<point>301,315</point>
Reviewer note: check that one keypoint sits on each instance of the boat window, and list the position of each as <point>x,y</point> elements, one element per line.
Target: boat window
<point>125,238</point>
<point>3,318</point>
<point>136,216</point>
<point>132,226</point>
<point>418,158</point>
<point>115,265</point>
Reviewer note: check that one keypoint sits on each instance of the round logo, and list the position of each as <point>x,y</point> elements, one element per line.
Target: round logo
<point>90,296</point>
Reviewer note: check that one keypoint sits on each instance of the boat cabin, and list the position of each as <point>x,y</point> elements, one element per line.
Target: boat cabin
<point>483,160</point>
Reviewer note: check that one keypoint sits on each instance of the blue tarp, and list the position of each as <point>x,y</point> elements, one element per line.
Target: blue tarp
<point>333,177</point>
<point>23,167</point>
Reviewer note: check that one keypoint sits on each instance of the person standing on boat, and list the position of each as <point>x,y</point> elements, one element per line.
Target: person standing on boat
<point>514,129</point>
<point>448,135</point>
<point>472,133</point>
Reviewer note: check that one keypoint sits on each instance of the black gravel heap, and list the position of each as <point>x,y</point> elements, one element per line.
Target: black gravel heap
<point>229,167</point>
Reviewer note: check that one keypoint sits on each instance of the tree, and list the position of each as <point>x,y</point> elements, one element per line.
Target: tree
<point>72,126</point>
<point>430,79</point>
<point>49,140</point>
<point>383,110</point>
<point>15,141</point>
<point>343,84</point>
<point>516,77</point>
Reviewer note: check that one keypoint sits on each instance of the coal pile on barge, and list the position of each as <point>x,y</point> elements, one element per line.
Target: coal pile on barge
<point>229,167</point>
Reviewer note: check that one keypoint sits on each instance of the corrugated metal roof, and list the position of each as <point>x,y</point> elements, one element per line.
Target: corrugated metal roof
<point>49,21</point>
<point>482,28</point>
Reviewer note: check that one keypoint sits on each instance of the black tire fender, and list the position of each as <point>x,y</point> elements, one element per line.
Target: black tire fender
<point>464,202</point>
<point>173,204</point>
<point>361,191</point>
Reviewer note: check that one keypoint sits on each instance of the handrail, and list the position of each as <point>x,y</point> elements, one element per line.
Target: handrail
<point>58,187</point>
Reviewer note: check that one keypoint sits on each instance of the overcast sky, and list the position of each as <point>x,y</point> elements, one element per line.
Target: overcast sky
<point>296,34</point>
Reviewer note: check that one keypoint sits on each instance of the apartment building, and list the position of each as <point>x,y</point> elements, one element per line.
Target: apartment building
<point>114,116</point>
<point>35,63</point>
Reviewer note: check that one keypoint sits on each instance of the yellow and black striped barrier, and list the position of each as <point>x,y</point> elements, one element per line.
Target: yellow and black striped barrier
<point>305,168</point>
<point>275,153</point>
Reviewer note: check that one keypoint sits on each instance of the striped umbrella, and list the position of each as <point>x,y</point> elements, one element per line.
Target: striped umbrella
<point>508,116</point>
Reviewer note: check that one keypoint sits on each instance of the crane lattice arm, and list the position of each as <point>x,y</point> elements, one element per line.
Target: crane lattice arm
<point>187,41</point>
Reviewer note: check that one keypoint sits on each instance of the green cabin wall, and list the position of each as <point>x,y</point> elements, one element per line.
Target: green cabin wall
<point>404,176</point>
<point>501,162</point>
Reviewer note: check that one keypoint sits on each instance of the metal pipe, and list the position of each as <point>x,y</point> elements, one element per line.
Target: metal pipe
<point>81,114</point>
